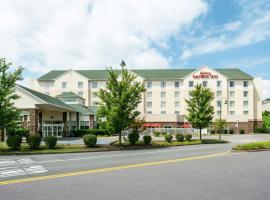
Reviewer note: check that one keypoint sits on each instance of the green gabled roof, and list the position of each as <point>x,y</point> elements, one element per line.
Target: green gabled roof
<point>84,110</point>
<point>94,109</point>
<point>234,73</point>
<point>149,74</point>
<point>163,73</point>
<point>69,95</point>
<point>51,75</point>
<point>48,99</point>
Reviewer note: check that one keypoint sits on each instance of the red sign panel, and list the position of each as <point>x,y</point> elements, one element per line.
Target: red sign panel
<point>205,75</point>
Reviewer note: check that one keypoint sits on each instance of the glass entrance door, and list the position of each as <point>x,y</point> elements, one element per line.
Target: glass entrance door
<point>55,130</point>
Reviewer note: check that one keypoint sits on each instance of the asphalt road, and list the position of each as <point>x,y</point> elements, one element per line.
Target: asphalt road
<point>189,172</point>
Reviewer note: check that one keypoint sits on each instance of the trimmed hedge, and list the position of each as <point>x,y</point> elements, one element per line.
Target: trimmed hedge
<point>33,141</point>
<point>50,141</point>
<point>14,141</point>
<point>147,139</point>
<point>180,137</point>
<point>262,130</point>
<point>231,131</point>
<point>168,138</point>
<point>90,140</point>
<point>242,131</point>
<point>133,137</point>
<point>20,132</point>
<point>188,137</point>
<point>156,134</point>
<point>96,132</point>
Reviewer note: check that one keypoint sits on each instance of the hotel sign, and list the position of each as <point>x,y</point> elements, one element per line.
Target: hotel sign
<point>205,75</point>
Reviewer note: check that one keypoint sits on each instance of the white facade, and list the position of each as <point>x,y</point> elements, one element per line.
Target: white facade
<point>164,99</point>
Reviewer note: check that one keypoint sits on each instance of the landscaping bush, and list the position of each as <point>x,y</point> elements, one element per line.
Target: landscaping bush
<point>156,134</point>
<point>231,131</point>
<point>147,139</point>
<point>50,141</point>
<point>22,132</point>
<point>96,132</point>
<point>133,137</point>
<point>212,131</point>
<point>213,141</point>
<point>168,138</point>
<point>180,137</point>
<point>262,130</point>
<point>188,137</point>
<point>90,140</point>
<point>225,131</point>
<point>33,141</point>
<point>242,131</point>
<point>14,141</point>
<point>163,134</point>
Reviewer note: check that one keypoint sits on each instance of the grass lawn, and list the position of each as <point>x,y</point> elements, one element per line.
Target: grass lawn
<point>253,146</point>
<point>24,150</point>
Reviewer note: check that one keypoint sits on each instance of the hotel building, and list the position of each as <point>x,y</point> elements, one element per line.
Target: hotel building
<point>238,96</point>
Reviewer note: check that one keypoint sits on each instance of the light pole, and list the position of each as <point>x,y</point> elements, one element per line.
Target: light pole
<point>220,105</point>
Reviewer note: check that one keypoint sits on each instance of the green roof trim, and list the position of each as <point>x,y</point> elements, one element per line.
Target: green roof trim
<point>84,110</point>
<point>48,99</point>
<point>94,109</point>
<point>68,95</point>
<point>149,74</point>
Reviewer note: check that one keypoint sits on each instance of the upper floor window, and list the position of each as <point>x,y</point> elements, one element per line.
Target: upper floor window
<point>149,94</point>
<point>163,84</point>
<point>149,112</point>
<point>219,83</point>
<point>176,104</point>
<point>205,83</point>
<point>64,85</point>
<point>177,112</point>
<point>245,93</point>
<point>232,104</point>
<point>149,104</point>
<point>94,95</point>
<point>245,83</point>
<point>218,103</point>
<point>176,94</point>
<point>94,84</point>
<point>232,94</point>
<point>163,112</point>
<point>231,83</point>
<point>80,94</point>
<point>80,84</point>
<point>163,94</point>
<point>219,93</point>
<point>163,103</point>
<point>191,83</point>
<point>149,85</point>
<point>245,104</point>
<point>176,84</point>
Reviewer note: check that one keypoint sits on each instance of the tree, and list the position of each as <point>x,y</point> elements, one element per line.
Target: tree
<point>200,110</point>
<point>220,124</point>
<point>9,114</point>
<point>119,101</point>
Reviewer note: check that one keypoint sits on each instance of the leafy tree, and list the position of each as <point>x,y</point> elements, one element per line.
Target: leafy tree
<point>219,124</point>
<point>200,110</point>
<point>8,113</point>
<point>119,101</point>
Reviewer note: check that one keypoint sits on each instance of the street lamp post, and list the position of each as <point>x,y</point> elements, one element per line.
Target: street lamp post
<point>225,102</point>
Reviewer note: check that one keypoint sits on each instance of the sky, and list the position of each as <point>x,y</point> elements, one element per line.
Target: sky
<point>94,34</point>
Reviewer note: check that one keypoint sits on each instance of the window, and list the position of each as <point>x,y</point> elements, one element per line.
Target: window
<point>94,95</point>
<point>176,84</point>
<point>163,112</point>
<point>95,103</point>
<point>163,104</point>
<point>94,84</point>
<point>219,83</point>
<point>232,94</point>
<point>163,84</point>
<point>205,83</point>
<point>218,104</point>
<point>149,85</point>
<point>64,85</point>
<point>191,83</point>
<point>245,104</point>
<point>245,83</point>
<point>245,112</point>
<point>177,112</point>
<point>149,112</point>
<point>176,104</point>
<point>190,94</point>
<point>149,94</point>
<point>80,84</point>
<point>231,83</point>
<point>219,93</point>
<point>149,104</point>
<point>232,112</point>
<point>232,104</point>
<point>176,94</point>
<point>80,94</point>
<point>245,93</point>
<point>163,94</point>
<point>218,112</point>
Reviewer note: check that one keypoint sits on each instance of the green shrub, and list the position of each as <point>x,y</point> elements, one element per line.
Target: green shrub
<point>225,131</point>
<point>133,137</point>
<point>262,130</point>
<point>96,132</point>
<point>90,140</point>
<point>33,141</point>
<point>20,132</point>
<point>213,141</point>
<point>156,134</point>
<point>231,131</point>
<point>180,137</point>
<point>168,138</point>
<point>147,139</point>
<point>212,131</point>
<point>242,131</point>
<point>50,141</point>
<point>188,137</point>
<point>14,141</point>
<point>163,134</point>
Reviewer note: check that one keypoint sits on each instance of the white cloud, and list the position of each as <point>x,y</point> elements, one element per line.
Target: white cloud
<point>48,34</point>
<point>266,90</point>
